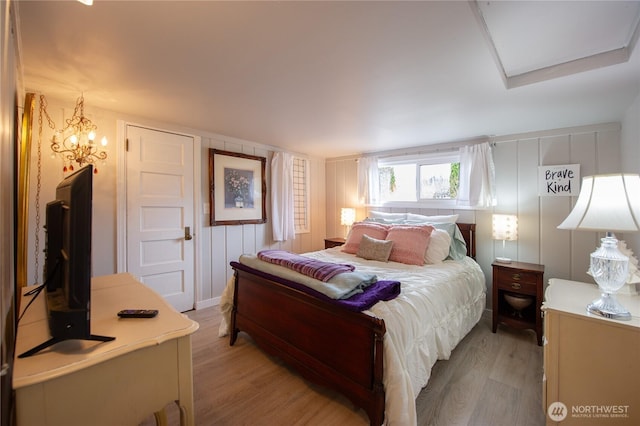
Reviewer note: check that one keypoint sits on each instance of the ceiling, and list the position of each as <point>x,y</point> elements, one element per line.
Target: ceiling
<point>338,78</point>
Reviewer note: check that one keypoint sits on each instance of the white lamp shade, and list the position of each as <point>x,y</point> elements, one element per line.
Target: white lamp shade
<point>505,227</point>
<point>606,203</point>
<point>347,216</point>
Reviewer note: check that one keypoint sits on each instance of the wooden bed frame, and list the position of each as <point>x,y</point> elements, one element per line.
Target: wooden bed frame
<point>325,343</point>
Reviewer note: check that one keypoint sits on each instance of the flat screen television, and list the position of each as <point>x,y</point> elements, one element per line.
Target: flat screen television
<point>67,269</point>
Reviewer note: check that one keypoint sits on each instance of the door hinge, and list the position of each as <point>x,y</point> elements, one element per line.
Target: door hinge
<point>126,144</point>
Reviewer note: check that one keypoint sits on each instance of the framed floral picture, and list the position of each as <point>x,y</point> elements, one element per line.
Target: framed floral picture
<point>237,188</point>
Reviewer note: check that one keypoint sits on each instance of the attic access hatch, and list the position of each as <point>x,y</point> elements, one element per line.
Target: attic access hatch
<point>540,40</point>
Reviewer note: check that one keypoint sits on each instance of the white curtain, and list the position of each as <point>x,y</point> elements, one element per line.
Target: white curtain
<point>477,176</point>
<point>368,180</point>
<point>282,217</point>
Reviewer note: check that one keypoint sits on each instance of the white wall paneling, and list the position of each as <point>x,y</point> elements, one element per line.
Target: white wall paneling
<point>218,245</point>
<point>565,254</point>
<point>333,185</point>
<point>630,153</point>
<point>222,244</point>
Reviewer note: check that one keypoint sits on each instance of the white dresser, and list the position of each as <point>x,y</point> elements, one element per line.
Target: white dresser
<point>591,364</point>
<point>120,382</point>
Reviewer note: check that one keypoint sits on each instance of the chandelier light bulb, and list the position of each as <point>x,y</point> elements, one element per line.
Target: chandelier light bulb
<point>73,139</point>
<point>104,141</point>
<point>92,135</point>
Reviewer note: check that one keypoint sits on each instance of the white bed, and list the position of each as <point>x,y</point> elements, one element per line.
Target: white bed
<point>438,305</point>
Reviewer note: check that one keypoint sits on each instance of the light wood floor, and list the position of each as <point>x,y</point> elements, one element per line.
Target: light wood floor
<point>491,379</point>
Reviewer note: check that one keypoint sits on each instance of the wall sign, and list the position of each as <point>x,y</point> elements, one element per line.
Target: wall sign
<point>559,180</point>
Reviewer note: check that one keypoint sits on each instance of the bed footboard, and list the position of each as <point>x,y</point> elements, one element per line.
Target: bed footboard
<point>325,343</point>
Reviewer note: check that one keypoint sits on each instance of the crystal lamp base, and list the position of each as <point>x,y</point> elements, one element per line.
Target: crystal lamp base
<point>609,268</point>
<point>607,306</point>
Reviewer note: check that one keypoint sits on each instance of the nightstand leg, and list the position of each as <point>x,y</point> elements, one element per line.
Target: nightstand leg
<point>494,324</point>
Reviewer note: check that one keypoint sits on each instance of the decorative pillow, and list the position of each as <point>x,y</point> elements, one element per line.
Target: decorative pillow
<point>409,243</point>
<point>358,229</point>
<point>438,248</point>
<point>373,249</point>
<point>451,218</point>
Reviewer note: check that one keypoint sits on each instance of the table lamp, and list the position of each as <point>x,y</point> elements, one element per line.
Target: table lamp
<point>505,228</point>
<point>607,203</point>
<point>347,217</point>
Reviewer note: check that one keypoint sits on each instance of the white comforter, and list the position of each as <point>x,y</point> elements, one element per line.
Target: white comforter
<point>438,306</point>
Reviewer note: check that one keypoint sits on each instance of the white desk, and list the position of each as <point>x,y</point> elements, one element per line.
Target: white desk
<point>121,382</point>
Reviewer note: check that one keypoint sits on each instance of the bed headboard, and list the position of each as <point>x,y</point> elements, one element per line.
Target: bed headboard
<point>468,231</point>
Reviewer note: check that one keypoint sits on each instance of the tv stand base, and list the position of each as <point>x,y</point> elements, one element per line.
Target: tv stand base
<point>55,340</point>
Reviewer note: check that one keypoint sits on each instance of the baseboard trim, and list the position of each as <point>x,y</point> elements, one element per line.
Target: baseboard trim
<point>208,303</point>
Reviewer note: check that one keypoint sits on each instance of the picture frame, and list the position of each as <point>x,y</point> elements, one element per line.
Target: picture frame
<point>237,188</point>
<point>24,133</point>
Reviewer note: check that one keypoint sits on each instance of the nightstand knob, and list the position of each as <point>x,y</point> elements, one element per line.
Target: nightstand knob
<point>516,286</point>
<point>516,277</point>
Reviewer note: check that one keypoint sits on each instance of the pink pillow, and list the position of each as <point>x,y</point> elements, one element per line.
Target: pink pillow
<point>358,229</point>
<point>409,243</point>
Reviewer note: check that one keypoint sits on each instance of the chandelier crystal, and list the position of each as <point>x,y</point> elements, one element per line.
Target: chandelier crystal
<point>76,142</point>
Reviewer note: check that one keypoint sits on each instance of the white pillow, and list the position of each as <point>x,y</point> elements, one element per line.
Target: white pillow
<point>452,218</point>
<point>387,216</point>
<point>438,248</point>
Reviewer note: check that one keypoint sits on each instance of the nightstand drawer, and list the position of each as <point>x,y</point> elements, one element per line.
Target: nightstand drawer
<point>522,277</point>
<point>519,286</point>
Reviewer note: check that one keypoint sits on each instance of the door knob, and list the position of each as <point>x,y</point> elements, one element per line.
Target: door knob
<point>187,233</point>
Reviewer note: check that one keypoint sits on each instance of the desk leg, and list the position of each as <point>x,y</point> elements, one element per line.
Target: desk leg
<point>183,415</point>
<point>161,417</point>
<point>185,381</point>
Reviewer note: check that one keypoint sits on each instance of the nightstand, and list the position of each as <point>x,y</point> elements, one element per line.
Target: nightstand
<point>333,242</point>
<point>517,295</point>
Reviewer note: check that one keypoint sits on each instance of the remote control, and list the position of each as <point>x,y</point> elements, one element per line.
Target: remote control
<point>138,313</point>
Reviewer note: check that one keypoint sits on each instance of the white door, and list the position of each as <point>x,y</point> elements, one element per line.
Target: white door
<point>160,213</point>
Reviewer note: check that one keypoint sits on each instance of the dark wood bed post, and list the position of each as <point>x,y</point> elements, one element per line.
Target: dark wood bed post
<point>468,231</point>
<point>376,411</point>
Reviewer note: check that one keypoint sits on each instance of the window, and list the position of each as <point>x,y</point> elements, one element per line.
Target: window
<point>301,194</point>
<point>423,178</point>
<point>398,182</point>
<point>439,181</point>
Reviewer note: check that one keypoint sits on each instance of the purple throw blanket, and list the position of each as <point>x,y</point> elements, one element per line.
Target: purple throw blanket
<point>322,271</point>
<point>380,290</point>
<point>376,292</point>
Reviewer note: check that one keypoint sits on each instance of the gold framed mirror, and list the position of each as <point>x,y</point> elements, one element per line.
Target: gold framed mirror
<point>24,165</point>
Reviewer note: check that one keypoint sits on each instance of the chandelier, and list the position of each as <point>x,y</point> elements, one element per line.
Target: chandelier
<point>76,142</point>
